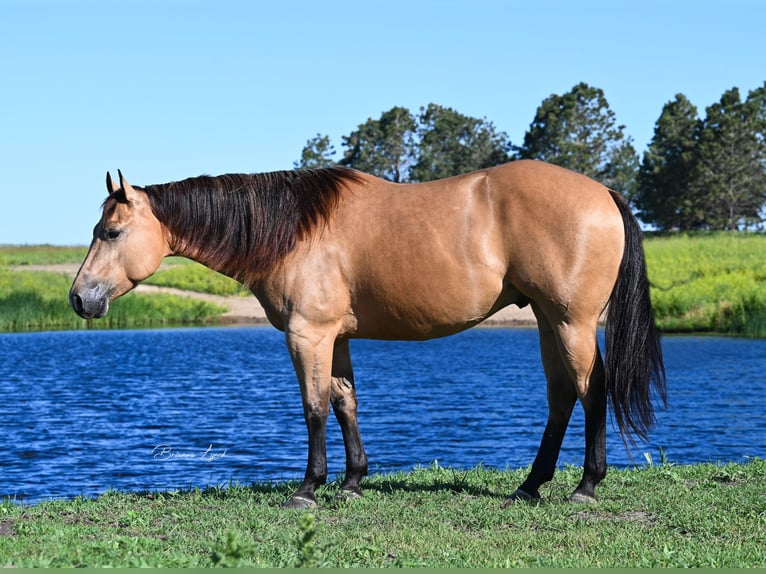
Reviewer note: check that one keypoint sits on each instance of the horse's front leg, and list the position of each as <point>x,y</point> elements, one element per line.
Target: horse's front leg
<point>344,404</point>
<point>311,352</point>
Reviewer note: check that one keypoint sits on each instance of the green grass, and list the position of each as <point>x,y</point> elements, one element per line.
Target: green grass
<point>190,276</point>
<point>709,283</point>
<point>661,516</point>
<point>38,300</point>
<point>40,254</point>
<point>34,300</point>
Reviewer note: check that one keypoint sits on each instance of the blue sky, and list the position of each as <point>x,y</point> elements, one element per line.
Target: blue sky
<point>165,90</point>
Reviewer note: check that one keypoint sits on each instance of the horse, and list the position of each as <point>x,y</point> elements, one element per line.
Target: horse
<point>334,254</point>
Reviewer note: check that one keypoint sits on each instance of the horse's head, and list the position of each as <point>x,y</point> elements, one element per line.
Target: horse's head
<point>128,245</point>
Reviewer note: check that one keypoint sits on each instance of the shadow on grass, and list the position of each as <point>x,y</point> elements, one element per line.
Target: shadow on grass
<point>479,481</point>
<point>455,482</point>
<point>391,485</point>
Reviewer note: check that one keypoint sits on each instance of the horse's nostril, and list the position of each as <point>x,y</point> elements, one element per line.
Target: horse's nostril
<point>76,301</point>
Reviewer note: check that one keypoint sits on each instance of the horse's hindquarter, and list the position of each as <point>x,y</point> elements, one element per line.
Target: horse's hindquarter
<point>564,236</point>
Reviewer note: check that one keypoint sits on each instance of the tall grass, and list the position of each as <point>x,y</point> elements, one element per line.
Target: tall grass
<point>39,300</point>
<point>709,283</point>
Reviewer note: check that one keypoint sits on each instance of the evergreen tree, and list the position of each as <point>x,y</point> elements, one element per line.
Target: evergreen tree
<point>579,131</point>
<point>318,152</point>
<point>451,143</point>
<point>384,147</point>
<point>663,195</point>
<point>729,179</point>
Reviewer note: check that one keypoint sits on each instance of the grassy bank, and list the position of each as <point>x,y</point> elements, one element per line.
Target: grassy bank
<point>712,283</point>
<point>682,516</point>
<point>184,274</point>
<point>38,300</point>
<point>709,283</point>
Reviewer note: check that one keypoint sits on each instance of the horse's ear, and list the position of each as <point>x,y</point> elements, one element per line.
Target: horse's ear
<point>115,191</point>
<point>127,189</point>
<point>110,185</point>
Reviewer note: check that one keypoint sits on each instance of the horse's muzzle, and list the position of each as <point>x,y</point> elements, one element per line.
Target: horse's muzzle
<point>89,303</point>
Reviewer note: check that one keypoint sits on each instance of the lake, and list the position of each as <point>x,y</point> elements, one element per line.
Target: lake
<point>86,411</point>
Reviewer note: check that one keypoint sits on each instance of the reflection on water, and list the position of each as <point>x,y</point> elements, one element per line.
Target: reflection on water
<point>151,410</point>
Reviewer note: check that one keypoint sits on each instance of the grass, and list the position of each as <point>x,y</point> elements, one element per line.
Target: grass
<point>36,300</point>
<point>40,254</point>
<point>654,516</point>
<point>190,276</point>
<point>709,283</point>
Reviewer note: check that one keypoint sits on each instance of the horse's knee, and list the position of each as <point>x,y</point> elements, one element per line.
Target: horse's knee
<point>316,419</point>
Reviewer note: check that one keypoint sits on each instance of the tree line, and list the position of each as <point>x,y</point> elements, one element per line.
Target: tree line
<point>696,173</point>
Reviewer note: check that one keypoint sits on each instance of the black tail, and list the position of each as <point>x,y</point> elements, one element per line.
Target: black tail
<point>633,352</point>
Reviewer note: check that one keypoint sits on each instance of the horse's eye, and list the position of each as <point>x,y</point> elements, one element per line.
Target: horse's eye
<point>111,234</point>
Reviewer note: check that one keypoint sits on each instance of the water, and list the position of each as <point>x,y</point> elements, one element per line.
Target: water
<point>86,411</point>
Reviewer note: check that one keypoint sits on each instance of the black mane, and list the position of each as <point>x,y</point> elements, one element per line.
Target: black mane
<point>243,224</point>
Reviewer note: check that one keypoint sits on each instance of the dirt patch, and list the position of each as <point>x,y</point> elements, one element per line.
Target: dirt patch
<point>634,516</point>
<point>7,528</point>
<point>66,268</point>
<point>241,309</point>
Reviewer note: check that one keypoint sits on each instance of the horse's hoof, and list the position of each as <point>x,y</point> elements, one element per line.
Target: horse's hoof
<point>300,502</point>
<point>349,493</point>
<point>580,498</point>
<point>521,496</point>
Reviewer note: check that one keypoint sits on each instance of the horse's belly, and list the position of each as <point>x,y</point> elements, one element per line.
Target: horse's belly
<point>381,315</point>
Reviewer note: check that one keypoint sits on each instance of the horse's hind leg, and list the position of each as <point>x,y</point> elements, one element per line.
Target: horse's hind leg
<point>562,396</point>
<point>344,404</point>
<point>579,351</point>
<point>593,399</point>
<point>580,359</point>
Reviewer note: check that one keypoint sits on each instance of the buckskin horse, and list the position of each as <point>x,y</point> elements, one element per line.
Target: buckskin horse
<point>334,254</point>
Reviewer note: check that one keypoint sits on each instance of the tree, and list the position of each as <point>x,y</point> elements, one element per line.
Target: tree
<point>384,147</point>
<point>729,179</point>
<point>578,131</point>
<point>620,171</point>
<point>663,195</point>
<point>451,143</point>
<point>317,153</point>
